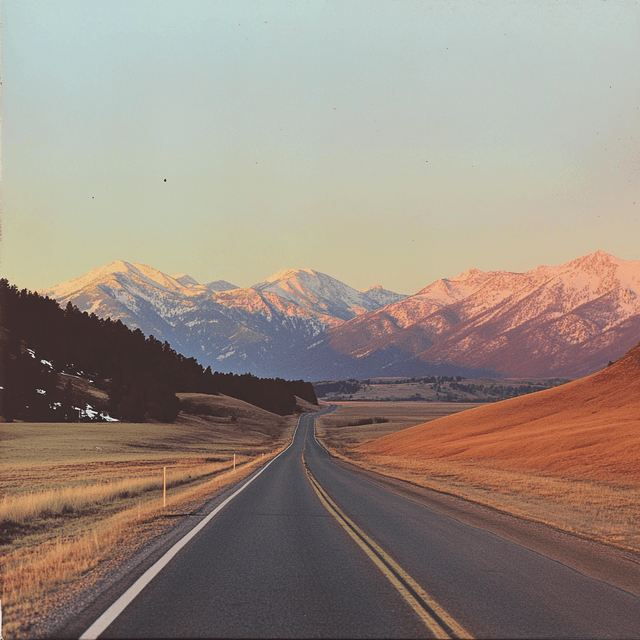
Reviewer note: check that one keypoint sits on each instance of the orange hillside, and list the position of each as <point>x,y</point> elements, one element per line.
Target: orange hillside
<point>589,427</point>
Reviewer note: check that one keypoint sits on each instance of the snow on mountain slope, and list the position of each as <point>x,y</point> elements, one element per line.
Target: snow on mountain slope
<point>383,296</point>
<point>220,285</point>
<point>118,275</point>
<point>229,328</point>
<point>217,285</point>
<point>563,321</point>
<point>519,324</point>
<point>321,293</point>
<point>185,280</point>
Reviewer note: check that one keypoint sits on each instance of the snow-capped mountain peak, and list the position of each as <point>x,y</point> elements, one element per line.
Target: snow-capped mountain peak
<point>220,285</point>
<point>383,296</point>
<point>118,275</point>
<point>185,280</point>
<point>467,275</point>
<point>563,320</point>
<point>319,293</point>
<point>286,274</point>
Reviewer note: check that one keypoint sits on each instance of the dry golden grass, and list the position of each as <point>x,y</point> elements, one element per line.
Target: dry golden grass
<point>603,511</point>
<point>397,415</point>
<point>569,456</point>
<point>588,428</point>
<point>71,493</point>
<point>21,508</point>
<point>29,571</point>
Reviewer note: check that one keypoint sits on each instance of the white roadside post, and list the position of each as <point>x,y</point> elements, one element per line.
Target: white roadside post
<point>100,625</point>
<point>234,461</point>
<point>164,487</point>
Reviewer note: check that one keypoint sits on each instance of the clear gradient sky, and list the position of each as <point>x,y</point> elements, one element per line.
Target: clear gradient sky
<point>380,142</point>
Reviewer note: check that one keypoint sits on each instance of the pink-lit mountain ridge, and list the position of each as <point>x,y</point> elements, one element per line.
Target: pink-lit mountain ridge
<point>565,321</point>
<point>258,329</point>
<point>560,321</point>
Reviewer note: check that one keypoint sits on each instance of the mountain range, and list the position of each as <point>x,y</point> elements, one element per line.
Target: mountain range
<point>553,321</point>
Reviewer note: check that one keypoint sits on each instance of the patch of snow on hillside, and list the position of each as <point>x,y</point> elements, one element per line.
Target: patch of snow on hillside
<point>95,305</point>
<point>91,413</point>
<point>126,299</point>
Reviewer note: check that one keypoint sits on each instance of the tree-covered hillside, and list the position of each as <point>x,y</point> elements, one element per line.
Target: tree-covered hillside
<point>42,343</point>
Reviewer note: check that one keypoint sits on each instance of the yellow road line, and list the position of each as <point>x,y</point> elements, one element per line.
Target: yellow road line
<point>394,572</point>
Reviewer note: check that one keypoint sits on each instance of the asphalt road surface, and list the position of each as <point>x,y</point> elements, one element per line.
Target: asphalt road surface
<point>309,549</point>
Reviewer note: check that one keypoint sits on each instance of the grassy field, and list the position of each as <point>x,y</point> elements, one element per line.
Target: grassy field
<point>432,389</point>
<point>75,495</point>
<point>502,470</point>
<point>339,428</point>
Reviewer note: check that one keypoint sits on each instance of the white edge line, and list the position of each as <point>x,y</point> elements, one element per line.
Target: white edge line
<point>129,595</point>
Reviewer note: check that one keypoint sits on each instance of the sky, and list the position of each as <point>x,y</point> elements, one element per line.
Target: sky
<point>379,142</point>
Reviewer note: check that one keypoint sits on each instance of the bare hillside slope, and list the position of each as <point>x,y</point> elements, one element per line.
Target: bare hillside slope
<point>587,428</point>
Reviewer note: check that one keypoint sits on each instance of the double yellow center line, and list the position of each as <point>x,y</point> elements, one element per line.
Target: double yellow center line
<point>435,618</point>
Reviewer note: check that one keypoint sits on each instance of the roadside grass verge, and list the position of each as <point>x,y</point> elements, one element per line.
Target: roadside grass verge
<point>65,501</point>
<point>27,572</point>
<point>32,570</point>
<point>65,516</point>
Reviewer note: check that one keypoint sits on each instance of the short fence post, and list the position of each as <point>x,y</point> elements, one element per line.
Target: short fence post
<point>234,461</point>
<point>164,487</point>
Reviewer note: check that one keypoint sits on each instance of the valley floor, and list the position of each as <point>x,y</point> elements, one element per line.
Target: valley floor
<point>91,495</point>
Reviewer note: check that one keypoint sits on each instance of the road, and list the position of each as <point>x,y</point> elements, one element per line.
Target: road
<point>309,549</point>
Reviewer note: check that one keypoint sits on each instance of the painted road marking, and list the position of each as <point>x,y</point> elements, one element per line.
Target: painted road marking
<point>435,618</point>
<point>130,594</point>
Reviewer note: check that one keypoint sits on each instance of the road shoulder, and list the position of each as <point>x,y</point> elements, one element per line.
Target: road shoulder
<point>618,567</point>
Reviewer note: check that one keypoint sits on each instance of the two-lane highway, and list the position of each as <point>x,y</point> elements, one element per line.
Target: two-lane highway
<point>308,549</point>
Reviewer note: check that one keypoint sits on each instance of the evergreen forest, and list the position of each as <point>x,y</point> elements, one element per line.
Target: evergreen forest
<point>41,343</point>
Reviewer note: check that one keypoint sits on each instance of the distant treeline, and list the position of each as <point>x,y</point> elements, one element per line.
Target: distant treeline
<point>352,386</point>
<point>442,389</point>
<point>362,421</point>
<point>337,387</point>
<point>40,342</point>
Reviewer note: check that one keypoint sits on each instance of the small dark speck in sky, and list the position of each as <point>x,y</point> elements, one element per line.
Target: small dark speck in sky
<point>165,179</point>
